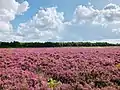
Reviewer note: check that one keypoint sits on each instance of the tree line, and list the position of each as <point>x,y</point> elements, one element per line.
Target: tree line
<point>16,44</point>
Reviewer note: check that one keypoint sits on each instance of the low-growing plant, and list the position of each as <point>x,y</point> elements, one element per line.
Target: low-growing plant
<point>1,87</point>
<point>24,85</point>
<point>100,84</point>
<point>116,81</point>
<point>53,83</point>
<point>118,66</point>
<point>38,69</point>
<point>86,66</point>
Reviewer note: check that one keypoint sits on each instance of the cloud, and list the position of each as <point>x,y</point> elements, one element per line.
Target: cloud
<point>8,11</point>
<point>44,26</point>
<point>95,24</point>
<point>10,8</point>
<point>109,14</point>
<point>23,7</point>
<point>88,23</point>
<point>5,27</point>
<point>115,41</point>
<point>83,14</point>
<point>99,4</point>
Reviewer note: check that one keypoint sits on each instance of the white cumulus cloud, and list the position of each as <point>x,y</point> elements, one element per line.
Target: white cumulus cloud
<point>89,23</point>
<point>8,11</point>
<point>44,26</point>
<point>96,24</point>
<point>109,14</point>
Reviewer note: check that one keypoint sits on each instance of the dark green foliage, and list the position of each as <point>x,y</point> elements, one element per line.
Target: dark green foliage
<point>100,84</point>
<point>116,81</point>
<point>38,70</point>
<point>17,44</point>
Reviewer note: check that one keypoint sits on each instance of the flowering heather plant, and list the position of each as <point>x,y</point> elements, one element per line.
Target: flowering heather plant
<point>75,68</point>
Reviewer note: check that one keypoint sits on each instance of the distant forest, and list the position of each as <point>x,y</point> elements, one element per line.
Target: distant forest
<point>17,44</point>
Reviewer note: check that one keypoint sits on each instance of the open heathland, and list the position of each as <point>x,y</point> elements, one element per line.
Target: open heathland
<point>71,68</point>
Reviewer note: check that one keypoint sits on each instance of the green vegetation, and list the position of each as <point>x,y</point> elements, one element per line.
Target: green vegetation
<point>100,84</point>
<point>53,83</point>
<point>17,44</point>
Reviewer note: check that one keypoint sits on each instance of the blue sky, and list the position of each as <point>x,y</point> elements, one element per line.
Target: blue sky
<point>60,20</point>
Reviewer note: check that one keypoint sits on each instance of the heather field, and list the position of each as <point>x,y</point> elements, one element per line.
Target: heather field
<point>60,68</point>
